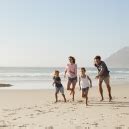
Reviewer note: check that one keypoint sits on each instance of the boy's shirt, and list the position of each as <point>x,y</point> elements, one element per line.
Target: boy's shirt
<point>56,80</point>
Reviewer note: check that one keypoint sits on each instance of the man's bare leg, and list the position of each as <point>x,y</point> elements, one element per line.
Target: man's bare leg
<point>101,90</point>
<point>109,92</point>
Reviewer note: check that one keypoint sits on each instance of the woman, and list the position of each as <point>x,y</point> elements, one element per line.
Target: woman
<point>71,71</point>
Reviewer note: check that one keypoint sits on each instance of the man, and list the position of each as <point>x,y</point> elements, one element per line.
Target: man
<point>103,75</point>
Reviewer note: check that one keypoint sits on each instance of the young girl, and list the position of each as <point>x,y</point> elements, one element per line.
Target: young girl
<point>84,84</point>
<point>59,87</point>
<point>71,71</point>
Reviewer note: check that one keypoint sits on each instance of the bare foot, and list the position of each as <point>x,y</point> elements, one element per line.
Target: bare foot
<point>110,99</point>
<point>102,100</point>
<point>71,92</point>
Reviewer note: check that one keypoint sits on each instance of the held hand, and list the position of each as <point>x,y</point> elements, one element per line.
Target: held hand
<point>80,87</point>
<point>72,72</point>
<point>97,77</point>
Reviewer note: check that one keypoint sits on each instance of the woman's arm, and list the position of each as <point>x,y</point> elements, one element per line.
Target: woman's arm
<point>66,70</point>
<point>65,73</point>
<point>79,82</point>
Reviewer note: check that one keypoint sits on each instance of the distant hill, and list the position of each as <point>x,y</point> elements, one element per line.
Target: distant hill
<point>119,59</point>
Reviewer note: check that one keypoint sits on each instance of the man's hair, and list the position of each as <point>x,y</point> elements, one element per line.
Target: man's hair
<point>98,57</point>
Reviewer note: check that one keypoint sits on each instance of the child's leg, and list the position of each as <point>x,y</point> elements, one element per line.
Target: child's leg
<point>83,93</point>
<point>64,97</point>
<point>87,90</point>
<point>57,91</point>
<point>62,91</point>
<point>56,97</point>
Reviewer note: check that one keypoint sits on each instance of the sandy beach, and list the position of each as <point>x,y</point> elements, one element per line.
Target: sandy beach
<point>35,109</point>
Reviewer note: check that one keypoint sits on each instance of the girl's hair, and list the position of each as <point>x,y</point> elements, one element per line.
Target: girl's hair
<point>83,69</point>
<point>74,60</point>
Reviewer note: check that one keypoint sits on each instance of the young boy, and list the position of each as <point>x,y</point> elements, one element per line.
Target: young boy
<point>59,87</point>
<point>84,84</point>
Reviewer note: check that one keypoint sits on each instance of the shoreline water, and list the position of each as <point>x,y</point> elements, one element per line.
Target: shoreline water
<point>41,77</point>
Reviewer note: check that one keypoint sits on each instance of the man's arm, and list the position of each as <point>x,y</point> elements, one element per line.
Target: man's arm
<point>102,70</point>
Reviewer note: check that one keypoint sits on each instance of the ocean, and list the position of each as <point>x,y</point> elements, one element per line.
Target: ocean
<point>41,77</point>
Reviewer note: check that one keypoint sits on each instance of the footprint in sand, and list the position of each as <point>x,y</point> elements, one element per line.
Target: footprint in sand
<point>78,127</point>
<point>4,124</point>
<point>16,118</point>
<point>95,124</point>
<point>50,127</point>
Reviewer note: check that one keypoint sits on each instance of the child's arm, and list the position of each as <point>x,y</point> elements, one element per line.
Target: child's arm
<point>53,81</point>
<point>90,81</point>
<point>79,82</point>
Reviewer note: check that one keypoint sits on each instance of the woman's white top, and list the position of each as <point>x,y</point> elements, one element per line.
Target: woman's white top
<point>84,82</point>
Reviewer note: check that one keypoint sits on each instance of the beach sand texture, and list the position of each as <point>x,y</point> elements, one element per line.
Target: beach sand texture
<point>35,109</point>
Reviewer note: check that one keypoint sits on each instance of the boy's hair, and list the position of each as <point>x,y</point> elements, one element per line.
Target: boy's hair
<point>83,69</point>
<point>74,60</point>
<point>98,57</point>
<point>56,71</point>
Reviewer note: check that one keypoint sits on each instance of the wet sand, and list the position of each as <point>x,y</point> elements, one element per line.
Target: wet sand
<point>35,109</point>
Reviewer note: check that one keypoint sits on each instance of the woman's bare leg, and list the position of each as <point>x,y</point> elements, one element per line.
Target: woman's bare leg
<point>73,88</point>
<point>68,86</point>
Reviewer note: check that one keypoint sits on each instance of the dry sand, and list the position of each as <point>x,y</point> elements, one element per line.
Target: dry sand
<point>35,109</point>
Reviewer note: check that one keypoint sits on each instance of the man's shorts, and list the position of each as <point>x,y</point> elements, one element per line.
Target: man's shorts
<point>60,89</point>
<point>106,79</point>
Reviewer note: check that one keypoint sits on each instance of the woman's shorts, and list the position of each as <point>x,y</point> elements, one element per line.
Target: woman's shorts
<point>72,79</point>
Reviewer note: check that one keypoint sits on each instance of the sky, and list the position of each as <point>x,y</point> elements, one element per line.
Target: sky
<point>45,32</point>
